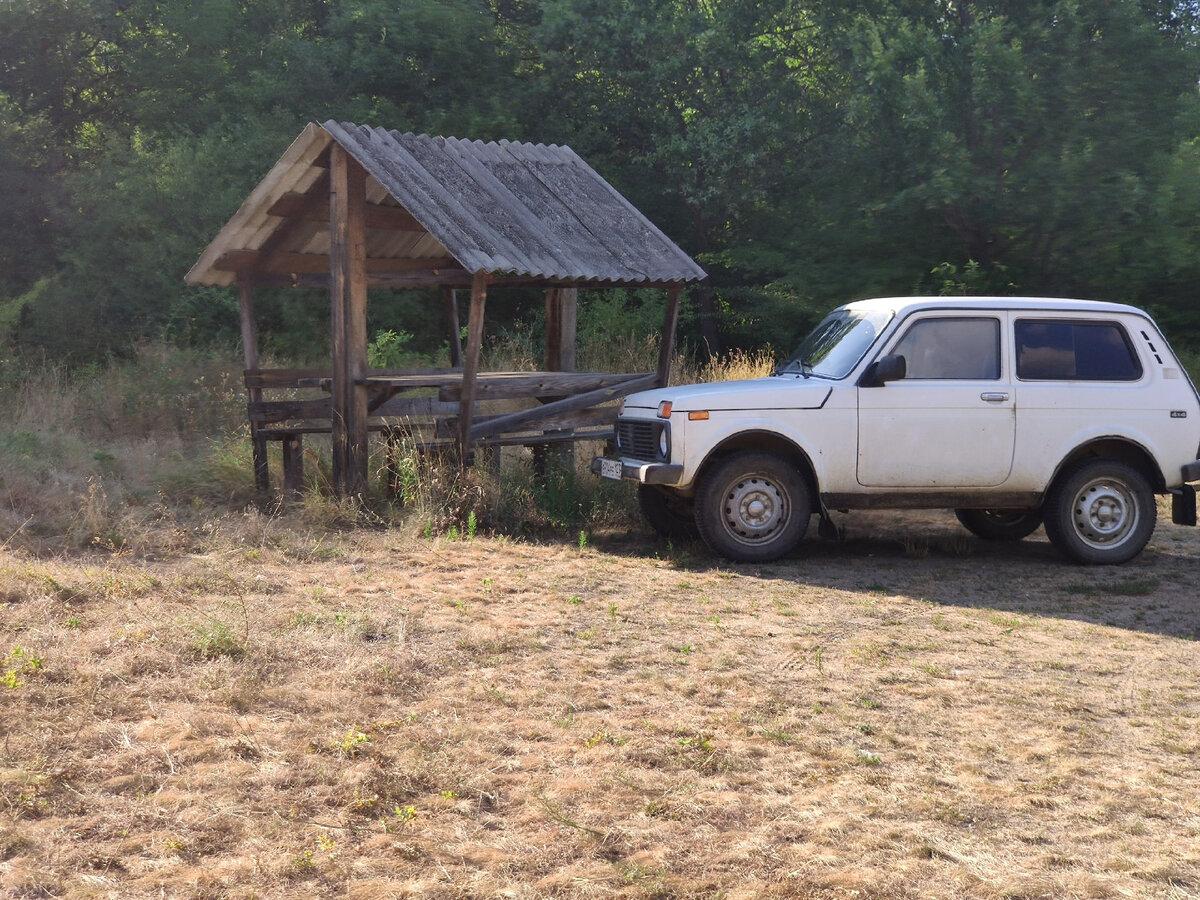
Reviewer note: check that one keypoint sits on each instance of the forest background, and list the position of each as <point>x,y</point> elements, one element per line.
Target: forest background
<point>805,153</point>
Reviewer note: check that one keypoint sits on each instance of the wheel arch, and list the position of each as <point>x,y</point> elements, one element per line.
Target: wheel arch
<point>765,442</point>
<point>1116,448</point>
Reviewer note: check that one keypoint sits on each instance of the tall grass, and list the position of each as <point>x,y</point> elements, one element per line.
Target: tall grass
<point>77,448</point>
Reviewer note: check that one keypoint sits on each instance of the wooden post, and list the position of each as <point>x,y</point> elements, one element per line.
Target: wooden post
<point>562,306</point>
<point>561,317</point>
<point>466,402</point>
<point>666,349</point>
<point>262,476</point>
<point>348,312</point>
<point>450,301</point>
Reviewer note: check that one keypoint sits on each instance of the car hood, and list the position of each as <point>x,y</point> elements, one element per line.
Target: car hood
<point>777,392</point>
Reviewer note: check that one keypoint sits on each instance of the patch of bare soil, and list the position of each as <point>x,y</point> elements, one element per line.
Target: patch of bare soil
<point>908,713</point>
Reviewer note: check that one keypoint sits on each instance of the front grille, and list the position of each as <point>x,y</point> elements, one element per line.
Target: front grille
<point>638,440</point>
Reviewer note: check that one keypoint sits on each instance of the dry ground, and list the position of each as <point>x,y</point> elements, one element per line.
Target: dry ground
<point>274,712</point>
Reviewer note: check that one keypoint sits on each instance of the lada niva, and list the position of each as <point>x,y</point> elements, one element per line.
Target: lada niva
<point>1013,412</point>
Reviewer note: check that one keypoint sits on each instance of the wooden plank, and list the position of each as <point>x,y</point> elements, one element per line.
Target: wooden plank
<point>498,386</point>
<point>383,218</point>
<point>466,396</point>
<point>666,348</point>
<point>348,314</point>
<point>533,418</point>
<point>593,417</point>
<point>245,261</point>
<point>267,412</point>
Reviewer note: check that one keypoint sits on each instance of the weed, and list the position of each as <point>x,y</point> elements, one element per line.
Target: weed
<point>867,758</point>
<point>215,638</point>
<point>20,661</point>
<point>603,737</point>
<point>352,745</point>
<point>575,599</point>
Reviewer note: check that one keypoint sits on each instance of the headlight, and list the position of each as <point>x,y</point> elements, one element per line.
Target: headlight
<point>664,445</point>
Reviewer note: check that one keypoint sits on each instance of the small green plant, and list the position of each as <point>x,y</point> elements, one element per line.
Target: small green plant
<point>20,661</point>
<point>612,611</point>
<point>214,639</point>
<point>583,541</point>
<point>390,349</point>
<point>351,745</point>
<point>472,524</point>
<point>867,758</point>
<point>575,599</point>
<point>604,737</point>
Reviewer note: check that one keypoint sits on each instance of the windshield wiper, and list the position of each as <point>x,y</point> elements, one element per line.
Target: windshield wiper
<point>801,366</point>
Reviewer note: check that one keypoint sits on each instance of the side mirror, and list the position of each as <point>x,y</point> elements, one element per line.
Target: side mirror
<point>892,367</point>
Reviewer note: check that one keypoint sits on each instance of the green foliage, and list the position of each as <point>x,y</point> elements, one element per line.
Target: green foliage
<point>806,154</point>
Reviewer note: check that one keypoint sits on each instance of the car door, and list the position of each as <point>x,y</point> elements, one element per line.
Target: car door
<point>951,421</point>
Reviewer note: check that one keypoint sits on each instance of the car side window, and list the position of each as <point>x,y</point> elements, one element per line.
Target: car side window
<point>1074,351</point>
<point>958,348</point>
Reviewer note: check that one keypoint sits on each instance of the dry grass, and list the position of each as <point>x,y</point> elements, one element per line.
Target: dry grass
<point>262,708</point>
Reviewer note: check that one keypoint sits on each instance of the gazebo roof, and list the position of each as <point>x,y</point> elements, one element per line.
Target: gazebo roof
<point>441,209</point>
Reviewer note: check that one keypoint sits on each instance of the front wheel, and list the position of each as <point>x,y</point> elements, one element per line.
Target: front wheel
<point>753,507</point>
<point>1000,524</point>
<point>668,513</point>
<point>1101,512</point>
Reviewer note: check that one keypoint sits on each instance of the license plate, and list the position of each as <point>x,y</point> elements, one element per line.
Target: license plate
<point>610,468</point>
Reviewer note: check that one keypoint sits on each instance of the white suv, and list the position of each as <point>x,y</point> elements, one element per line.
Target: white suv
<point>1014,412</point>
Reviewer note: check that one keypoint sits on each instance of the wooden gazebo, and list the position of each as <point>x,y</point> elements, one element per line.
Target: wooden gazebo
<point>350,208</point>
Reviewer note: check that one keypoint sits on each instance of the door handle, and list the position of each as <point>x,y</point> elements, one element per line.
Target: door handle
<point>994,396</point>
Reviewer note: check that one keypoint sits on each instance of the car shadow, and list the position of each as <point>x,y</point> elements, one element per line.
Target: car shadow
<point>927,554</point>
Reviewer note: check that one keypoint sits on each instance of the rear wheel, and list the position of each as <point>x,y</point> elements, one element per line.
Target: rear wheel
<point>668,513</point>
<point>1000,524</point>
<point>1101,512</point>
<point>753,507</point>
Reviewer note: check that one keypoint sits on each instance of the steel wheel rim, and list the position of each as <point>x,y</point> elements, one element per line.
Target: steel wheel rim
<point>754,510</point>
<point>1105,513</point>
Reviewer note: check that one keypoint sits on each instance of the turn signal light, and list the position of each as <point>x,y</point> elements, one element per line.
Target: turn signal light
<point>664,409</point>
<point>699,415</point>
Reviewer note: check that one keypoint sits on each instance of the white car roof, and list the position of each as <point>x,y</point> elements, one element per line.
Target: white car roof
<point>902,305</point>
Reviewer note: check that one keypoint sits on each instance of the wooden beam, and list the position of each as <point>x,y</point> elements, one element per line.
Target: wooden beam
<point>479,285</point>
<point>315,263</point>
<point>666,349</point>
<point>532,418</point>
<point>348,316</point>
<point>384,218</point>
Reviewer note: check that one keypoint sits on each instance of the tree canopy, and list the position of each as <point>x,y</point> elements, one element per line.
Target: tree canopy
<point>806,153</point>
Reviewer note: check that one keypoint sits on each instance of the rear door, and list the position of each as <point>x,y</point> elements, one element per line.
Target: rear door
<point>951,422</point>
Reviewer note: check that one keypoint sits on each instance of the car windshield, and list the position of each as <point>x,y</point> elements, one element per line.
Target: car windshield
<point>835,346</point>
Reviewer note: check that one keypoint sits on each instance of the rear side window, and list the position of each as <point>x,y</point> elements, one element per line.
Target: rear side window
<point>1074,351</point>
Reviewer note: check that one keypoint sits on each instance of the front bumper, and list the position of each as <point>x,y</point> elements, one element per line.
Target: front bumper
<point>1191,472</point>
<point>646,473</point>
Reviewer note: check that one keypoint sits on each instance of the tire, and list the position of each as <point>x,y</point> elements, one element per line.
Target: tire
<point>1101,512</point>
<point>1000,524</point>
<point>753,507</point>
<point>668,513</point>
